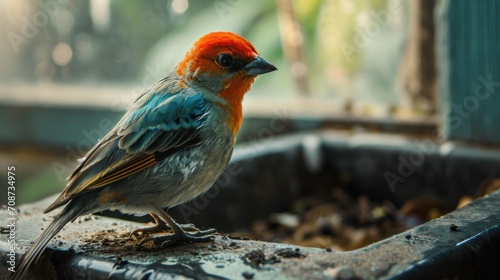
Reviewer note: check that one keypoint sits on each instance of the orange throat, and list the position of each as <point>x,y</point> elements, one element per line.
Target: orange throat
<point>234,92</point>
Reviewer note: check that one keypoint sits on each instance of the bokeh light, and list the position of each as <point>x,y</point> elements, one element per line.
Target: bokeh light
<point>179,6</point>
<point>62,54</point>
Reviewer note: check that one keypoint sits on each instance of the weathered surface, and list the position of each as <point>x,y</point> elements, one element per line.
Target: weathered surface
<point>99,247</point>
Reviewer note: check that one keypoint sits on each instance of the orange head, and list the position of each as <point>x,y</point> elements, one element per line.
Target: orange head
<point>225,64</point>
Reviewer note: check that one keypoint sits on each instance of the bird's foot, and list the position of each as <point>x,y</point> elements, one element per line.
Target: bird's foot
<point>160,227</point>
<point>195,237</point>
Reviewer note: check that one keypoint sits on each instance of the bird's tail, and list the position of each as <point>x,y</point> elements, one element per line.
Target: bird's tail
<point>67,215</point>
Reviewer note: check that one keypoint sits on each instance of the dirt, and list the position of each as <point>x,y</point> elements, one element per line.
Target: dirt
<point>255,257</point>
<point>289,253</point>
<point>342,222</point>
<point>258,257</point>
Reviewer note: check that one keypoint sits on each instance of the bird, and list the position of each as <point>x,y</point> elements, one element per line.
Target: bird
<point>170,145</point>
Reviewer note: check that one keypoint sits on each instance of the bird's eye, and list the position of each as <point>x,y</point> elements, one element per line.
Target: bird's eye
<point>225,60</point>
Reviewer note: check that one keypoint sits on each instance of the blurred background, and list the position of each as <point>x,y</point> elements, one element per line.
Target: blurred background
<point>70,68</point>
<point>88,55</point>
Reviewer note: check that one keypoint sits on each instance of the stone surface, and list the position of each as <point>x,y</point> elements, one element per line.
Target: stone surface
<point>96,247</point>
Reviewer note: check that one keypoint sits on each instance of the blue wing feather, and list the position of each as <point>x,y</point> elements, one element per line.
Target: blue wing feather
<point>176,115</point>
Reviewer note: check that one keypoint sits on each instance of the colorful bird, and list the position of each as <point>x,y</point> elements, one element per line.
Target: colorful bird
<point>170,146</point>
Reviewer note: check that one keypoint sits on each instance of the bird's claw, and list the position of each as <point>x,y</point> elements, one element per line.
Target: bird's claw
<point>160,227</point>
<point>195,237</point>
<point>147,230</point>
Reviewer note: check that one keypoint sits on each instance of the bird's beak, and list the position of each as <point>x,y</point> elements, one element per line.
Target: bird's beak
<point>259,66</point>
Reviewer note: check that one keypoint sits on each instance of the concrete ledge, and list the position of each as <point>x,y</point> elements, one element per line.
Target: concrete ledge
<point>55,116</point>
<point>99,248</point>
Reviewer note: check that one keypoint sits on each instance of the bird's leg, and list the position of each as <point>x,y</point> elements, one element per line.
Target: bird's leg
<point>179,233</point>
<point>160,226</point>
